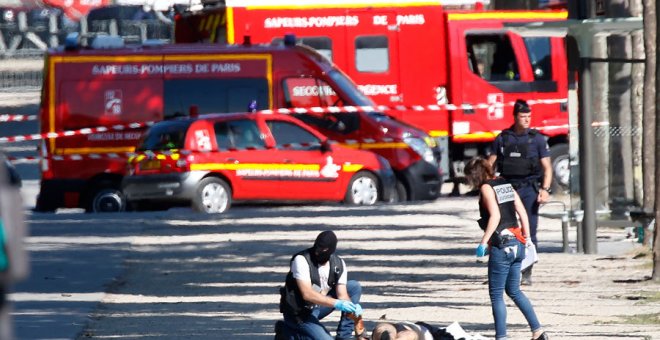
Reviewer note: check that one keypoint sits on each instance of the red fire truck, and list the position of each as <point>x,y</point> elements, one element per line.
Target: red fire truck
<point>453,73</point>
<point>118,87</point>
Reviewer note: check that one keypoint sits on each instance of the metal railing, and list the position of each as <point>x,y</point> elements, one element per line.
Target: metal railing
<point>567,217</point>
<point>22,38</point>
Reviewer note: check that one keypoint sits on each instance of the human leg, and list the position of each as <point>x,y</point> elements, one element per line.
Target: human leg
<point>512,289</point>
<point>308,328</point>
<point>528,196</point>
<point>498,270</point>
<point>346,325</point>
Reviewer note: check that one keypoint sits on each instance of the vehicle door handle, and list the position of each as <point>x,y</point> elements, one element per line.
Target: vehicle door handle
<point>232,160</point>
<point>286,161</point>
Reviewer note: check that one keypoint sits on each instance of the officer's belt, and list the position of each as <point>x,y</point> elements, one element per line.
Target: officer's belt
<point>523,183</point>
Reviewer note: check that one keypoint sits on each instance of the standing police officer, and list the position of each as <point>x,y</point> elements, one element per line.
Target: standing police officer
<point>522,157</point>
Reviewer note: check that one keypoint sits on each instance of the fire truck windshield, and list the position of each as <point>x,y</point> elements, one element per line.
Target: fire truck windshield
<point>354,96</point>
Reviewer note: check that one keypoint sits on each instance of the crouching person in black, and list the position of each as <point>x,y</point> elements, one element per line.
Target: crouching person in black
<point>316,285</point>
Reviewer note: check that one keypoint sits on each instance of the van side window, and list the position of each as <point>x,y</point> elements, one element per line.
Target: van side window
<point>165,136</point>
<point>286,133</point>
<point>372,54</point>
<point>538,50</point>
<point>343,123</point>
<point>491,57</point>
<point>238,134</point>
<point>309,92</point>
<point>222,136</point>
<point>213,95</point>
<point>323,45</point>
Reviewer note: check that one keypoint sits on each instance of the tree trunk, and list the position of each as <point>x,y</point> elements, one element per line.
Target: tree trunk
<point>648,146</point>
<point>601,115</point>
<point>637,97</point>
<point>620,184</point>
<point>651,19</point>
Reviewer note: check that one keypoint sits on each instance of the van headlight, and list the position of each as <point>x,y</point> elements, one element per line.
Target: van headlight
<point>420,147</point>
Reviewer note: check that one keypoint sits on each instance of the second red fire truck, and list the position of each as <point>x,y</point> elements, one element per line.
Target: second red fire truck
<point>451,72</point>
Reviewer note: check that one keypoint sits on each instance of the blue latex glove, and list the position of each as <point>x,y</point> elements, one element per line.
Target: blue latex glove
<point>345,306</point>
<point>358,309</point>
<point>482,249</point>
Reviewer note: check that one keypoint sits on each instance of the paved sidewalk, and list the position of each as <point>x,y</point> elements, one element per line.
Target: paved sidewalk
<point>175,274</point>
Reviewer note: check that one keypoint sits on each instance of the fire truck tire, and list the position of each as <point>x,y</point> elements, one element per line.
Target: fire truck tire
<point>213,196</point>
<point>363,189</point>
<point>561,169</point>
<point>107,199</point>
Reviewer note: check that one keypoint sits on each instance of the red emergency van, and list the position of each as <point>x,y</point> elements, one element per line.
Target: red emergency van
<point>413,55</point>
<point>119,85</point>
<point>209,162</point>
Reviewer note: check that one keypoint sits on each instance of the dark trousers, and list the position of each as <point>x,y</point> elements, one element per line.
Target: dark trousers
<point>529,195</point>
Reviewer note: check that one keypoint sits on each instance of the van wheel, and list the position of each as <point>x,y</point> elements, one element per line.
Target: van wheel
<point>362,190</point>
<point>401,191</point>
<point>399,195</point>
<point>213,196</point>
<point>107,200</point>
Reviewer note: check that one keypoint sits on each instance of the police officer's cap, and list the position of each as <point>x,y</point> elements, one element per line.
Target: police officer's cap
<point>521,106</point>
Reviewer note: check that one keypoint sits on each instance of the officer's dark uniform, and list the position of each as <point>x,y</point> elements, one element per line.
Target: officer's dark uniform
<point>519,162</point>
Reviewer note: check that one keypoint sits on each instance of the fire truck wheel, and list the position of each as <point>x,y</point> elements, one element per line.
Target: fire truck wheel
<point>213,196</point>
<point>108,200</point>
<point>561,170</point>
<point>362,190</point>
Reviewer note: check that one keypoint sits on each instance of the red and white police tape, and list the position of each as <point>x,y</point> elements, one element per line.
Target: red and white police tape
<point>332,109</point>
<point>343,109</point>
<point>84,131</point>
<point>17,118</point>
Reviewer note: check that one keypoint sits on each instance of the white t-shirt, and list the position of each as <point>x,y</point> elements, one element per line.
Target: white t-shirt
<point>300,270</point>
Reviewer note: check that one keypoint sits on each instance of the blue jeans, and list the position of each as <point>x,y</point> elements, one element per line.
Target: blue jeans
<point>504,275</point>
<point>528,196</point>
<point>310,327</point>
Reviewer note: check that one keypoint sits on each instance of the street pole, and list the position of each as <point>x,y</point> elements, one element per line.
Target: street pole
<point>587,173</point>
<point>583,10</point>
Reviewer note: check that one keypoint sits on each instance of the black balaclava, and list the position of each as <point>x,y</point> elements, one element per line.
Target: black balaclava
<point>324,246</point>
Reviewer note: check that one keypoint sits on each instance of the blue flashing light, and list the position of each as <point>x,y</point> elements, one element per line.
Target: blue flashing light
<point>290,39</point>
<point>72,41</point>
